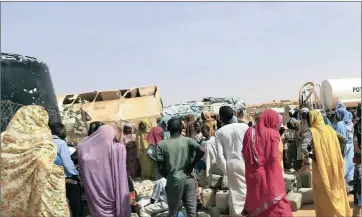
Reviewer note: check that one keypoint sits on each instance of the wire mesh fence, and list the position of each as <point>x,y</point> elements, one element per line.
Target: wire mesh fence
<point>8,110</point>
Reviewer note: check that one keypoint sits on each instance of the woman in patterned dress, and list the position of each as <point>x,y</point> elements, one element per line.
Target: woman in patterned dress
<point>31,184</point>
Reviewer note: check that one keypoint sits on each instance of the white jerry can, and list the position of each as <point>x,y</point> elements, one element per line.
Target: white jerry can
<point>208,197</point>
<point>222,201</point>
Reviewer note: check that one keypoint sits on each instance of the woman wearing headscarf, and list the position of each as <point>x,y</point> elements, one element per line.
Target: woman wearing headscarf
<point>330,196</point>
<point>262,162</point>
<point>292,139</point>
<point>31,184</point>
<point>102,164</point>
<point>93,127</point>
<point>190,129</point>
<point>209,121</point>
<point>355,117</point>
<point>163,124</point>
<point>129,140</point>
<point>147,165</point>
<point>325,118</point>
<point>345,128</point>
<point>357,128</point>
<point>304,137</point>
<point>239,113</point>
<point>281,145</point>
<point>284,148</point>
<point>154,137</point>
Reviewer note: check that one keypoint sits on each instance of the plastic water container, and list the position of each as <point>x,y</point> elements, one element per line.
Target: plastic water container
<point>289,181</point>
<point>222,202</point>
<point>208,197</point>
<point>202,179</point>
<point>307,195</point>
<point>215,181</point>
<point>295,200</point>
<point>306,179</point>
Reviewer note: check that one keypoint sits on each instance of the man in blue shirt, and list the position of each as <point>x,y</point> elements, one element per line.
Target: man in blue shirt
<point>63,154</point>
<point>73,189</point>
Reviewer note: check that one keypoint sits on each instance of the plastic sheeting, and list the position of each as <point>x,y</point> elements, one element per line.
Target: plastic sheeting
<point>181,110</point>
<point>210,104</point>
<point>227,100</point>
<point>213,104</point>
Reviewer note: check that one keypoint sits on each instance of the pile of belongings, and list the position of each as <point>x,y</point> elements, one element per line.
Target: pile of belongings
<point>75,120</point>
<point>208,104</point>
<point>144,188</point>
<point>181,110</point>
<point>226,100</point>
<point>212,104</point>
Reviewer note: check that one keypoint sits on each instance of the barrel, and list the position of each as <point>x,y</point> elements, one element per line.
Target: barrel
<point>25,81</point>
<point>347,91</point>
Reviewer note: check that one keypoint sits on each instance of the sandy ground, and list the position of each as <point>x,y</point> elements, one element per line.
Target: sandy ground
<point>308,210</point>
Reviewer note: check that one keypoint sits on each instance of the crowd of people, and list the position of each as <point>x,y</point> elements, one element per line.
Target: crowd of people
<point>42,176</point>
<point>299,141</point>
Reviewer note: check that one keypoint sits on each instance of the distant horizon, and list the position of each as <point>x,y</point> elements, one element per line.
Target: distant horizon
<point>257,51</point>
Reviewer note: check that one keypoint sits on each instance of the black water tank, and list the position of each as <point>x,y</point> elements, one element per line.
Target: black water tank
<point>25,81</point>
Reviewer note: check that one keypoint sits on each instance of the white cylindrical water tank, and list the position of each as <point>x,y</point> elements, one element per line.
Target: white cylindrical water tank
<point>347,91</point>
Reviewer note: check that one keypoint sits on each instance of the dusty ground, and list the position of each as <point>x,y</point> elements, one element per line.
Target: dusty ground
<point>308,210</point>
<point>305,211</point>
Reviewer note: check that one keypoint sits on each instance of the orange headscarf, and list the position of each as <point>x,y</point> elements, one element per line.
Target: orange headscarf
<point>209,121</point>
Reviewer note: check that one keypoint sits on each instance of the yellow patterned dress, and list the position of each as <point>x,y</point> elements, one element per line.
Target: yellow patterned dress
<point>147,165</point>
<point>31,184</point>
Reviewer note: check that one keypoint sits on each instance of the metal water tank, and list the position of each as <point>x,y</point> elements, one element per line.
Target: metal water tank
<point>347,91</point>
<point>25,81</point>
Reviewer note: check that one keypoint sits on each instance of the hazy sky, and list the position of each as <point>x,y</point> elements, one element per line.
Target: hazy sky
<point>257,51</point>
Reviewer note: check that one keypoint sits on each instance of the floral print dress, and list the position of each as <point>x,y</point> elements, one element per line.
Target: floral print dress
<point>31,184</point>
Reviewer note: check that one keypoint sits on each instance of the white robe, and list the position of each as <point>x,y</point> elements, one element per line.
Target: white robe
<point>210,160</point>
<point>229,145</point>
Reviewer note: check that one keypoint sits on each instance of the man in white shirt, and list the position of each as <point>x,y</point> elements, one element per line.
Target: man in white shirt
<point>229,145</point>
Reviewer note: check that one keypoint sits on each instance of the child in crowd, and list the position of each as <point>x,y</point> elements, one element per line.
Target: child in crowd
<point>197,134</point>
<point>207,141</point>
